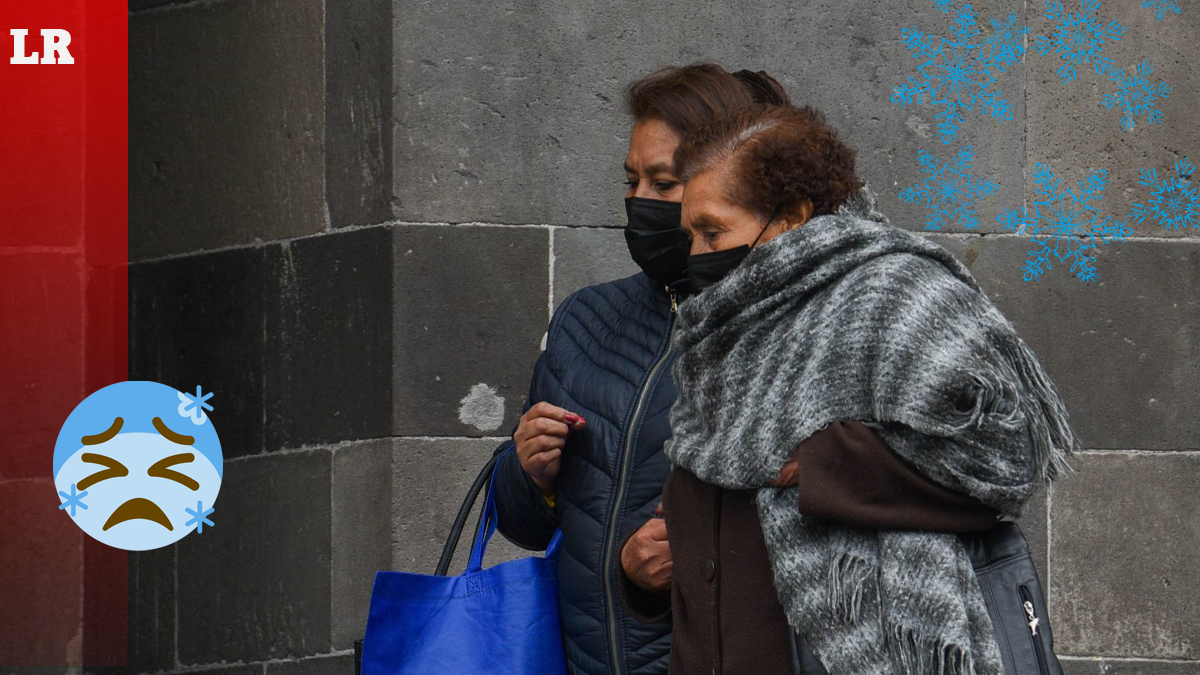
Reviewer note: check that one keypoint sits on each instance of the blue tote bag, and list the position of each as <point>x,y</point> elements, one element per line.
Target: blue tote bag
<point>503,619</point>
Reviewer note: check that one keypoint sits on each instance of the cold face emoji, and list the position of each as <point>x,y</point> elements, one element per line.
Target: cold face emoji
<point>138,465</point>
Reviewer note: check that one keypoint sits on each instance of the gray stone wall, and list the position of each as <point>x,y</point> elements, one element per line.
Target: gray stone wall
<point>351,220</point>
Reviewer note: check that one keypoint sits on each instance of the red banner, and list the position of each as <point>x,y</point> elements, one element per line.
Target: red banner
<point>63,314</point>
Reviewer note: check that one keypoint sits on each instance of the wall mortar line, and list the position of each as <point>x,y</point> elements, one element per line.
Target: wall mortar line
<point>550,281</point>
<point>398,223</point>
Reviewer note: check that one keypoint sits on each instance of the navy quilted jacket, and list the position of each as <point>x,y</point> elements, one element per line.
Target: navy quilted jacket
<point>607,358</point>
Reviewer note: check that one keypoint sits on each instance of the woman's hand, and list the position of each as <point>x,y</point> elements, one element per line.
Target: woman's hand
<point>790,473</point>
<point>646,557</point>
<point>540,437</point>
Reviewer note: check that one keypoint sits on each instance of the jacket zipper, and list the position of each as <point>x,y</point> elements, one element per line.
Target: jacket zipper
<point>1039,648</point>
<point>616,667</point>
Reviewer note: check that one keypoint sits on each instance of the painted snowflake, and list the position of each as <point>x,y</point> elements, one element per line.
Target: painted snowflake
<point>1136,96</point>
<point>1067,224</point>
<point>1079,38</point>
<point>1007,41</point>
<point>1161,7</point>
<point>944,5</point>
<point>949,191</point>
<point>956,74</point>
<point>1173,202</point>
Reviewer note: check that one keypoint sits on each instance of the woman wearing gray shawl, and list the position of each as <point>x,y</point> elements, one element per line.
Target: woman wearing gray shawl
<point>812,310</point>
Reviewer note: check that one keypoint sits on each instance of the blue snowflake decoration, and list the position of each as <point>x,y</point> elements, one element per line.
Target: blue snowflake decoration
<point>1067,223</point>
<point>194,406</point>
<point>957,74</point>
<point>1136,96</point>
<point>1161,7</point>
<point>1079,38</point>
<point>74,501</point>
<point>1174,202</point>
<point>949,191</point>
<point>1007,41</point>
<point>944,5</point>
<point>199,517</point>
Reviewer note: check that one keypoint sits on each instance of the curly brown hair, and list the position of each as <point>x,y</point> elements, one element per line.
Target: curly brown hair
<point>774,157</point>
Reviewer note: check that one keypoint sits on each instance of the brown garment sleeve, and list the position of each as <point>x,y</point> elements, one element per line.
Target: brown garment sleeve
<point>849,474</point>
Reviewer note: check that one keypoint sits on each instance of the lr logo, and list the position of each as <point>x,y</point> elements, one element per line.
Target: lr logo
<point>54,46</point>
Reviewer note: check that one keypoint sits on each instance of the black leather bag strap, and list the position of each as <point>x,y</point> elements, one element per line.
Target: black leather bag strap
<point>464,512</point>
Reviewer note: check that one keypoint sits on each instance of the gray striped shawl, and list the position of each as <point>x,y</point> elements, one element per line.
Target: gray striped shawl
<point>850,318</point>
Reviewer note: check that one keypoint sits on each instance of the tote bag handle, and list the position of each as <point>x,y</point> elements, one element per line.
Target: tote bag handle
<point>464,512</point>
<point>486,525</point>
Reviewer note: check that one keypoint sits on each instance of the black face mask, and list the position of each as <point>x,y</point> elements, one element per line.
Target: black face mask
<point>706,269</point>
<point>656,241</point>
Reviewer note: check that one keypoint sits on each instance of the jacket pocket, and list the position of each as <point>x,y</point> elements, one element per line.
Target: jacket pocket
<point>1022,627</point>
<point>1034,620</point>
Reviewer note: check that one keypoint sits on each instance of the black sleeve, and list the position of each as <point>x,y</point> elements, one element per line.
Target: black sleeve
<point>524,516</point>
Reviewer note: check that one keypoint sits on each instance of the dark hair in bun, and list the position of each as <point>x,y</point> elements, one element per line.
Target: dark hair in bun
<point>689,97</point>
<point>764,88</point>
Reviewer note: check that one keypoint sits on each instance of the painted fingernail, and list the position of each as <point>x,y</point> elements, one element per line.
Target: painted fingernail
<point>572,418</point>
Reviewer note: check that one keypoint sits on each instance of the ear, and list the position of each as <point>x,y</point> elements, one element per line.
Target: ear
<point>796,215</point>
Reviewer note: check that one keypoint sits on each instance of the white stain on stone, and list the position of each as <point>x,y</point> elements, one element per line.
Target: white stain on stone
<point>482,408</point>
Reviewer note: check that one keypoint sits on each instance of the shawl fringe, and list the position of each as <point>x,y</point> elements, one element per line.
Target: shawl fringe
<point>919,654</point>
<point>1035,402</point>
<point>847,582</point>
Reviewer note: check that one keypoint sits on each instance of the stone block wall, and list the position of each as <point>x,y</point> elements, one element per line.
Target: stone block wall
<point>351,220</point>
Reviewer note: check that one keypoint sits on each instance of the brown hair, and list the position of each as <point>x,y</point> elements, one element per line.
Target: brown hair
<point>689,97</point>
<point>774,156</point>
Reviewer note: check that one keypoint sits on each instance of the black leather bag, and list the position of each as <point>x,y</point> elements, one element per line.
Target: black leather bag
<point>1014,598</point>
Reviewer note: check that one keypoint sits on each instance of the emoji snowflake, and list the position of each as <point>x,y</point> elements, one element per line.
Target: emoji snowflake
<point>74,501</point>
<point>1079,37</point>
<point>200,517</point>
<point>1174,202</point>
<point>1136,96</point>
<point>1007,41</point>
<point>1161,7</point>
<point>956,74</point>
<point>1070,220</point>
<point>949,191</point>
<point>194,406</point>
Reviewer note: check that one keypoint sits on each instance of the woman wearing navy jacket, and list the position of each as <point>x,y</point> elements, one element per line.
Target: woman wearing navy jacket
<point>587,452</point>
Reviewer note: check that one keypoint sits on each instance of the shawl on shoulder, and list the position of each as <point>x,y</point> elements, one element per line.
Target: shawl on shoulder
<point>851,318</point>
